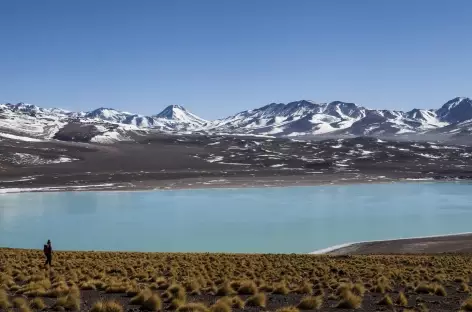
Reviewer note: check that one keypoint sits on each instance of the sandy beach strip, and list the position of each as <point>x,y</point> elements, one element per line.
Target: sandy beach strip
<point>449,243</point>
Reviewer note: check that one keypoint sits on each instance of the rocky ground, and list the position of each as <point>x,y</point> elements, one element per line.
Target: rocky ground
<point>185,161</point>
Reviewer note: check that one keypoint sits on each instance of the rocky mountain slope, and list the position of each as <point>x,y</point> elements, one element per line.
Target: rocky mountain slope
<point>300,118</point>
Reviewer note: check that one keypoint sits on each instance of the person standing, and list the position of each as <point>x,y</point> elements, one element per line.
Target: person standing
<point>48,253</point>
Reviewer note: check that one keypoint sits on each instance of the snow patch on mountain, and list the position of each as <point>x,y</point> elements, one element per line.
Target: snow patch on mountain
<point>299,118</point>
<point>18,138</point>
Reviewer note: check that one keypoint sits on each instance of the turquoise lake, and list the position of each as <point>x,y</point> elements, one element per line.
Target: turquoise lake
<point>274,220</point>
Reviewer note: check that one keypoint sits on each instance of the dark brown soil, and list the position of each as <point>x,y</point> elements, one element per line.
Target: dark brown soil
<point>451,302</point>
<point>203,161</point>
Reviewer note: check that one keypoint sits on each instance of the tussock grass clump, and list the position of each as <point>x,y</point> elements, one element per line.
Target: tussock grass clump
<point>58,291</point>
<point>281,289</point>
<point>88,285</point>
<point>177,291</point>
<point>221,306</point>
<point>4,302</point>
<point>379,288</point>
<point>343,288</point>
<point>18,302</point>
<point>39,288</point>
<point>257,300</point>
<point>305,289</point>
<point>386,300</point>
<point>463,287</point>
<point>193,307</point>
<point>237,303</point>
<point>424,288</point>
<point>193,287</point>
<point>310,303</point>
<point>107,306</point>
<point>349,301</point>
<point>247,288</point>
<point>402,300</point>
<point>25,308</point>
<point>439,290</point>
<point>358,289</point>
<point>225,290</point>
<point>116,288</point>
<point>382,285</point>
<point>422,307</point>
<point>152,303</point>
<point>287,309</point>
<point>227,300</point>
<point>21,304</point>
<point>461,279</point>
<point>176,303</point>
<point>38,303</point>
<point>60,302</point>
<point>467,305</point>
<point>141,297</point>
<point>132,291</point>
<point>70,302</point>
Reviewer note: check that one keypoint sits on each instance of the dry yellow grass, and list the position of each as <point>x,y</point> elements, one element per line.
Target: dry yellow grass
<point>248,288</point>
<point>4,302</point>
<point>38,303</point>
<point>386,300</point>
<point>402,300</point>
<point>225,289</point>
<point>19,302</point>
<point>193,307</point>
<point>178,276</point>
<point>222,305</point>
<point>467,305</point>
<point>237,303</point>
<point>310,303</point>
<point>349,301</point>
<point>107,306</point>
<point>152,303</point>
<point>281,289</point>
<point>141,297</point>
<point>257,300</point>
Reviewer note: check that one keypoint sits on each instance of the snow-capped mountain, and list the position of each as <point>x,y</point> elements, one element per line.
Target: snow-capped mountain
<point>180,114</point>
<point>309,118</point>
<point>107,114</point>
<point>456,110</point>
<point>300,118</point>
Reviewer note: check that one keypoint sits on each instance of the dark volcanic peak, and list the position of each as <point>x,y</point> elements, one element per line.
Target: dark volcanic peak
<point>456,110</point>
<point>289,109</point>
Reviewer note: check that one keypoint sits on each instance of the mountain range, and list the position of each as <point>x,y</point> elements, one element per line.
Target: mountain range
<point>299,118</point>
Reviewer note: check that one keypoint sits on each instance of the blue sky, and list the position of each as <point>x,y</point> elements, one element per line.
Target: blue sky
<point>218,57</point>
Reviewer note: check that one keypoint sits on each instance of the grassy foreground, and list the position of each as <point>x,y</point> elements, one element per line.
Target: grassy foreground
<point>107,281</point>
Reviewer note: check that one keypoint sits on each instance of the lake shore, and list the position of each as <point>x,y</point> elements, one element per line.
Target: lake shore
<point>438,244</point>
<point>222,183</point>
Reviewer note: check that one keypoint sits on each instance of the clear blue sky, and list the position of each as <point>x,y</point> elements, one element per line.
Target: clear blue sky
<point>218,57</point>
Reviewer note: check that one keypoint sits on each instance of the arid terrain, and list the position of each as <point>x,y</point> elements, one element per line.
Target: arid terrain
<point>460,243</point>
<point>188,161</point>
<point>238,282</point>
